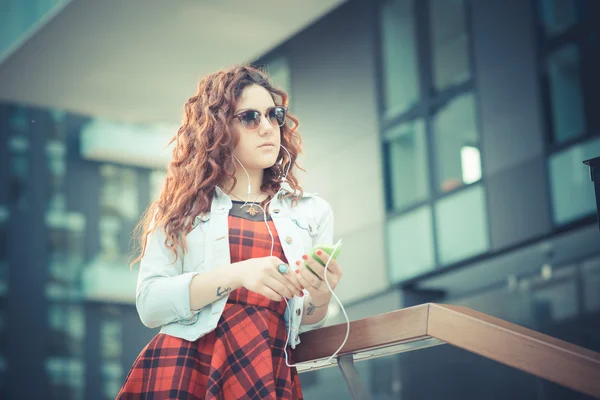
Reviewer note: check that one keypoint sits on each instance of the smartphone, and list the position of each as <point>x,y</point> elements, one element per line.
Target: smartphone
<point>329,249</point>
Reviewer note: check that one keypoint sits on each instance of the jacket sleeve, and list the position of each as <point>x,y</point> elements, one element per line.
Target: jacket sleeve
<point>324,236</point>
<point>163,290</point>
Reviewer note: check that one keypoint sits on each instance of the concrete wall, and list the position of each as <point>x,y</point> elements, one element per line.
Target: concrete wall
<point>334,94</point>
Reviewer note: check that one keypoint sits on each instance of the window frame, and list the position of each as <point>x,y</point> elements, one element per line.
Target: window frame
<point>578,35</point>
<point>426,108</point>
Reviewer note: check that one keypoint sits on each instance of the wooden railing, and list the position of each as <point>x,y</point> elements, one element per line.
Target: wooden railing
<point>433,324</point>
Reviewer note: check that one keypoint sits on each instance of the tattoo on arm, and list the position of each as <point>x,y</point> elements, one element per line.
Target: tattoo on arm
<point>310,310</point>
<point>223,291</point>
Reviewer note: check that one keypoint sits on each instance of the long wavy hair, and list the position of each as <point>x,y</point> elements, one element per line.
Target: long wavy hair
<point>202,157</point>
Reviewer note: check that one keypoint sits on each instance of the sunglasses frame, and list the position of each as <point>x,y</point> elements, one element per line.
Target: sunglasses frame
<point>265,114</point>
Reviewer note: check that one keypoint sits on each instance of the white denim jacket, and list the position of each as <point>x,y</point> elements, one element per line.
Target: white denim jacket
<point>163,287</point>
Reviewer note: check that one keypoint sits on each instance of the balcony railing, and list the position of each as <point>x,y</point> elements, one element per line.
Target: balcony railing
<point>432,324</point>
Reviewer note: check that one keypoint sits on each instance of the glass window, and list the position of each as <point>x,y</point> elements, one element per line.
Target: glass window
<point>3,383</point>
<point>119,214</point>
<point>111,349</point>
<point>56,152</point>
<point>67,330</point>
<point>66,378</point>
<point>4,215</point>
<point>564,68</point>
<point>572,190</point>
<point>400,70</point>
<point>591,283</point>
<point>407,162</point>
<point>18,149</point>
<point>457,144</point>
<point>557,16</point>
<point>410,244</point>
<point>112,378</point>
<point>119,194</point>
<point>66,253</point>
<point>461,225</point>
<point>449,43</point>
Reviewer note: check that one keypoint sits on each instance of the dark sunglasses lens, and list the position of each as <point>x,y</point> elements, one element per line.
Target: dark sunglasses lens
<point>277,116</point>
<point>250,119</point>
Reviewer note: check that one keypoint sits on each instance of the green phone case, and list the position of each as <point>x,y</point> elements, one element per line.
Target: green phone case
<point>327,249</point>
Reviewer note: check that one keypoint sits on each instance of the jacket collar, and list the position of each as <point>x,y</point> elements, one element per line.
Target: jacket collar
<point>222,203</point>
<point>284,188</point>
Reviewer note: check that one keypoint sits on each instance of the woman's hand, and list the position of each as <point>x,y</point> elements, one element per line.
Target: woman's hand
<point>316,286</point>
<point>261,275</point>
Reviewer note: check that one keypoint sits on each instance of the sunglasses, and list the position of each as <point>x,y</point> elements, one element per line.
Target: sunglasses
<point>250,119</point>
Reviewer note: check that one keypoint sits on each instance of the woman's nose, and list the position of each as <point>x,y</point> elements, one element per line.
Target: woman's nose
<point>265,126</point>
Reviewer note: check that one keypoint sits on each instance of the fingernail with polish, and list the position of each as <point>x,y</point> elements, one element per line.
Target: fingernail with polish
<point>319,252</point>
<point>298,264</point>
<point>305,257</point>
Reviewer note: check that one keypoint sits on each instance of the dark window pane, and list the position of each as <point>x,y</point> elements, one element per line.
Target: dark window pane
<point>591,283</point>
<point>457,144</point>
<point>4,215</point>
<point>557,16</point>
<point>407,161</point>
<point>66,378</point>
<point>111,342</point>
<point>572,191</point>
<point>566,99</point>
<point>400,74</point>
<point>449,43</point>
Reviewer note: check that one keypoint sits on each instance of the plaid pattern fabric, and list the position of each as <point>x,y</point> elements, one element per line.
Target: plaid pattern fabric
<point>241,359</point>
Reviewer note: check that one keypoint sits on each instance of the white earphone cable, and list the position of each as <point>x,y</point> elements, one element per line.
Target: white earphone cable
<point>287,308</point>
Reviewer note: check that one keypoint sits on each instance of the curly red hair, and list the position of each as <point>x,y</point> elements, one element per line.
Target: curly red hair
<point>203,155</point>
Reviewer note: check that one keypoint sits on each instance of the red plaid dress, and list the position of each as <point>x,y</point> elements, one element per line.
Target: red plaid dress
<point>241,359</point>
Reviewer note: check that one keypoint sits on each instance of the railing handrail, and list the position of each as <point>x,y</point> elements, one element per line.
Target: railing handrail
<point>429,324</point>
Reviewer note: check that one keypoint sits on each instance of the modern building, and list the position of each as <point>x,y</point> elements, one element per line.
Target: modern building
<point>448,136</point>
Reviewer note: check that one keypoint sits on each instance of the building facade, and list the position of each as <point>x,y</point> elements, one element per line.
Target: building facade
<point>448,136</point>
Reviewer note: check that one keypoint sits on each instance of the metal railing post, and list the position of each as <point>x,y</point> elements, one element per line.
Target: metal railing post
<point>357,389</point>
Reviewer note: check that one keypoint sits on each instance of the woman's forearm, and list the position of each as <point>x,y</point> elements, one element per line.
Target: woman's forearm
<point>208,287</point>
<point>314,310</point>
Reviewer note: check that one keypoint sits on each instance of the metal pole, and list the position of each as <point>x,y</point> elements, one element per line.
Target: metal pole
<point>357,390</point>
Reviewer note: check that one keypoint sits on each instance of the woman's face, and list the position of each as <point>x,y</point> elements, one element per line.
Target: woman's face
<point>257,148</point>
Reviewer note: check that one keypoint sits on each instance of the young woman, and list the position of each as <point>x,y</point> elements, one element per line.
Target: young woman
<point>214,268</point>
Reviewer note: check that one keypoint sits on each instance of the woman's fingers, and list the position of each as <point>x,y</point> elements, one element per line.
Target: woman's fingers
<point>271,294</point>
<point>319,269</point>
<point>307,278</point>
<point>302,279</point>
<point>288,279</point>
<point>279,287</point>
<point>315,281</point>
<point>291,277</point>
<point>333,266</point>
